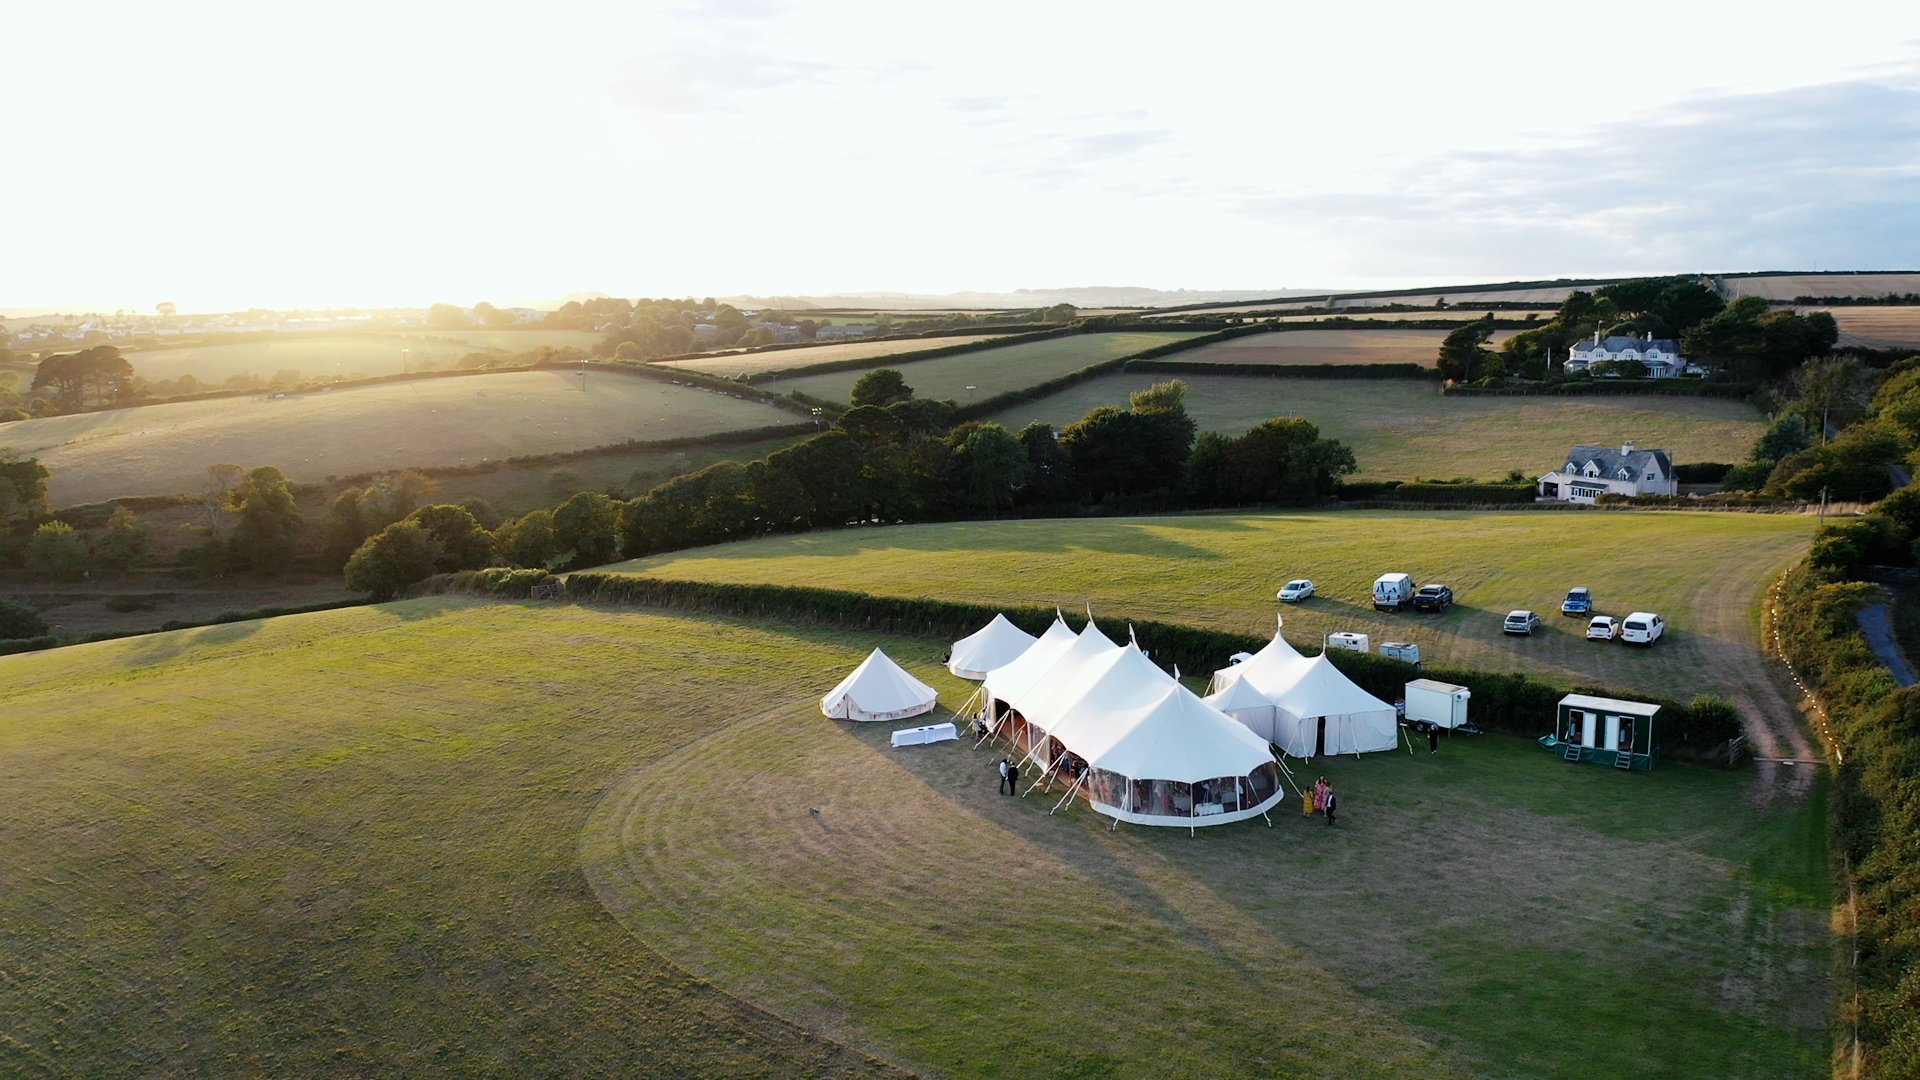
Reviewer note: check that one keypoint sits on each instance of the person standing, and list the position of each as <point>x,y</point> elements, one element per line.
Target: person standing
<point>1332,801</point>
<point>1013,779</point>
<point>1433,740</point>
<point>1003,776</point>
<point>1320,789</point>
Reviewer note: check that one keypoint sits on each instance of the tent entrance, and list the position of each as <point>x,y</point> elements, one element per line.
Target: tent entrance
<point>1320,738</point>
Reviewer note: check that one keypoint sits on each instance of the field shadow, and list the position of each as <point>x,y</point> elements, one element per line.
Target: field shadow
<point>1031,536</point>
<point>156,648</point>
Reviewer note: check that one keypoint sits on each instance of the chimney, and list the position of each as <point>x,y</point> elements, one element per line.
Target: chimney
<point>1626,448</point>
<point>1596,337</point>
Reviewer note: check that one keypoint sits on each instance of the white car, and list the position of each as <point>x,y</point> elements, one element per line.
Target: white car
<point>1521,622</point>
<point>1603,628</point>
<point>1296,590</point>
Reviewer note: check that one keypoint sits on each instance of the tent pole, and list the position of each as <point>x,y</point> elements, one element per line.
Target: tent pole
<point>1043,776</point>
<point>1068,795</point>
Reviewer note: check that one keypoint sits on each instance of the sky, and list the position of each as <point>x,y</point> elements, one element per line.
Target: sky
<point>293,155</point>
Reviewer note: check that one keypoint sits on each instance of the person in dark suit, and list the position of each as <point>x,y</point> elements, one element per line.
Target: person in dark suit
<point>1433,740</point>
<point>1332,801</point>
<point>1013,779</point>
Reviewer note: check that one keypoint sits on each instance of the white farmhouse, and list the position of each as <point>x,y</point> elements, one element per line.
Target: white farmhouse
<point>1592,471</point>
<point>1662,357</point>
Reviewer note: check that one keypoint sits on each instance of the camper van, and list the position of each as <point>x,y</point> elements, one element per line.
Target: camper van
<point>1642,628</point>
<point>1392,591</point>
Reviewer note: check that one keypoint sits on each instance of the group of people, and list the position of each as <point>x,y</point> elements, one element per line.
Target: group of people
<point>1009,777</point>
<point>1320,799</point>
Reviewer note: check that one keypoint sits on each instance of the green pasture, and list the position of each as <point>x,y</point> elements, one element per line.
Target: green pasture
<point>1403,428</point>
<point>730,365</point>
<point>1703,572</point>
<point>164,449</point>
<point>451,837</point>
<point>992,371</point>
<point>1327,347</point>
<point>341,355</point>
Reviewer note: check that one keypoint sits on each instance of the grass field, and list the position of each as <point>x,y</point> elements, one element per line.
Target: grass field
<point>1547,298</point>
<point>732,364</point>
<point>330,356</point>
<point>1456,314</point>
<point>992,371</point>
<point>488,865</point>
<point>1403,428</point>
<point>1222,571</point>
<point>1327,347</point>
<point>1889,327</point>
<point>163,449</point>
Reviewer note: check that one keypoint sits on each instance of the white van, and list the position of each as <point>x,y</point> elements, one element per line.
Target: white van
<point>1392,591</point>
<point>1642,628</point>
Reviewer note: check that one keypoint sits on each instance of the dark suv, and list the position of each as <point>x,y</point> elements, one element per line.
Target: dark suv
<point>1433,598</point>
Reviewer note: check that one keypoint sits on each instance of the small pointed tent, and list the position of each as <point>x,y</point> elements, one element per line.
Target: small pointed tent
<point>878,689</point>
<point>1249,706</point>
<point>1323,712</point>
<point>994,645</point>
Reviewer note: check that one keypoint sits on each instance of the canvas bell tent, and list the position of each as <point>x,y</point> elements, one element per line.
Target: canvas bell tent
<point>996,644</point>
<point>1323,712</point>
<point>878,689</point>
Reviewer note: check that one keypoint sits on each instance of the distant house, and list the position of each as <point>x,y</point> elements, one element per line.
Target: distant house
<point>1661,356</point>
<point>843,330</point>
<point>1592,471</point>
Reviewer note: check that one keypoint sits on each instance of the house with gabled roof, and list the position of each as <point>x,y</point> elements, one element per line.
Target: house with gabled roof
<point>1592,471</point>
<point>1661,355</point>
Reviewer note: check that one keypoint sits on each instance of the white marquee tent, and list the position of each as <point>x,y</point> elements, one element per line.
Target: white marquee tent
<point>1249,706</point>
<point>878,689</point>
<point>1175,760</point>
<point>994,645</point>
<point>1274,666</point>
<point>1321,711</point>
<point>1014,683</point>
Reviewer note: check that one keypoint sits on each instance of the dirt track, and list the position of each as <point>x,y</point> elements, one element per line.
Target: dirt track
<point>1767,697</point>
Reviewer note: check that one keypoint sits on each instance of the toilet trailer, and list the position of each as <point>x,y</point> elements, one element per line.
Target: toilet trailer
<point>1606,731</point>
<point>1438,703</point>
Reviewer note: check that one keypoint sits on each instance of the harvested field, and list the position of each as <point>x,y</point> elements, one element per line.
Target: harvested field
<point>1452,314</point>
<point>1788,286</point>
<point>1891,327</point>
<point>604,863</point>
<point>729,365</point>
<point>1327,347</point>
<point>163,449</point>
<point>1403,428</point>
<point>992,371</point>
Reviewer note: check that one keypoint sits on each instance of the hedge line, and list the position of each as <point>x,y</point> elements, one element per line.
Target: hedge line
<point>496,581</point>
<point>1010,398</point>
<point>1289,371</point>
<point>1873,728</point>
<point>1577,387</point>
<point>897,359</point>
<point>10,646</point>
<point>1477,494</point>
<point>1504,702</point>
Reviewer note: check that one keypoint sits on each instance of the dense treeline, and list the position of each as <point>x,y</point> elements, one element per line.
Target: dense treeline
<point>1878,413</point>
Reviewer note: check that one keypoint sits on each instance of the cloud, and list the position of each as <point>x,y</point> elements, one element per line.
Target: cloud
<point>1822,175</point>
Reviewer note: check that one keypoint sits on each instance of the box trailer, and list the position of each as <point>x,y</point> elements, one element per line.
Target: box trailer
<point>1437,703</point>
<point>1401,650</point>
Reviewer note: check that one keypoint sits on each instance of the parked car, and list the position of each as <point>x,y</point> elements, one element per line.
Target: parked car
<point>1642,628</point>
<point>1433,598</point>
<point>1521,622</point>
<point>1392,591</point>
<point>1296,590</point>
<point>1579,601</point>
<point>1603,628</point>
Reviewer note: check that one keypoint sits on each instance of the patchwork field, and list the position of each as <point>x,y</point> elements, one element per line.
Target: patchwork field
<point>1404,428</point>
<point>1889,327</point>
<point>1452,314</point>
<point>1788,286</point>
<point>992,371</point>
<point>1328,347</point>
<point>1547,298</point>
<point>1221,570</point>
<point>587,867</point>
<point>729,365</point>
<point>162,449</point>
<point>338,356</point>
